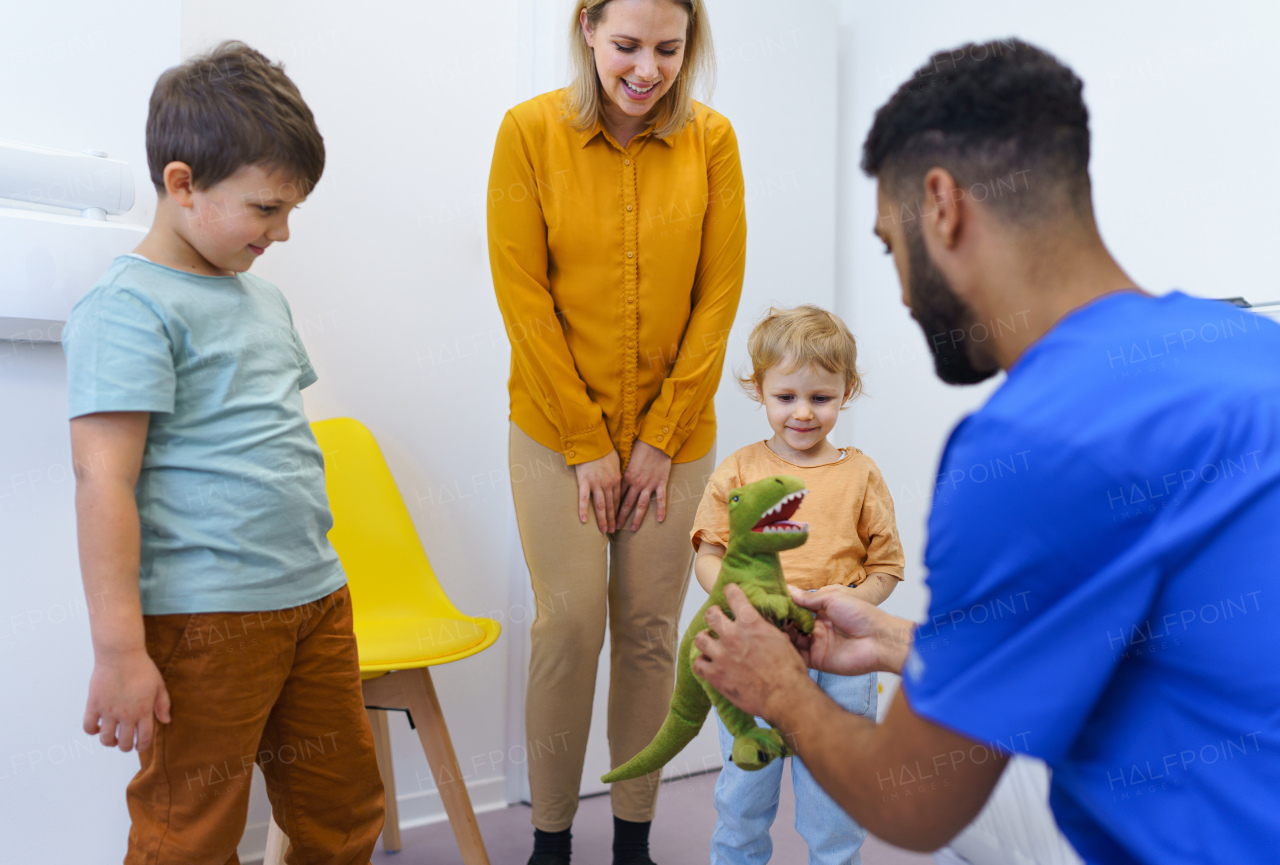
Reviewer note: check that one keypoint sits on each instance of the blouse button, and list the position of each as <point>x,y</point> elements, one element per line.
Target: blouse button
<point>659,438</point>
<point>628,208</point>
<point>664,429</point>
<point>626,162</point>
<point>631,255</point>
<point>569,454</point>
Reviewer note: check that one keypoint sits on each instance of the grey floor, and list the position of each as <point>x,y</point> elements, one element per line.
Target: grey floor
<point>681,833</point>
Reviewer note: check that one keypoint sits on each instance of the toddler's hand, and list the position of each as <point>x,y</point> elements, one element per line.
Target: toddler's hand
<point>126,692</point>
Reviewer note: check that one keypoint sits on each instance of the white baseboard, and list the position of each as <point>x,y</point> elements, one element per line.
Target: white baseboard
<point>416,809</point>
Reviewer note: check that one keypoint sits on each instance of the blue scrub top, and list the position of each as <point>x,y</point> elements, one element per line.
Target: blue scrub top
<point>1104,562</point>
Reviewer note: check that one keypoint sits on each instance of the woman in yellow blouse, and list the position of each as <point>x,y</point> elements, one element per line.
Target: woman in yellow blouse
<point>617,241</point>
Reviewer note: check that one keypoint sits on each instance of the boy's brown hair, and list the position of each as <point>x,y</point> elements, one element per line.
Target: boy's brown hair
<point>801,336</point>
<point>229,108</point>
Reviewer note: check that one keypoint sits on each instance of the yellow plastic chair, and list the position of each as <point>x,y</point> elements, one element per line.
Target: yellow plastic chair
<point>404,624</point>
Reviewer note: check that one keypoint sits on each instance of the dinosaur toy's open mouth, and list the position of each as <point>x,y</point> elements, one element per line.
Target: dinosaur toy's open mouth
<point>776,519</point>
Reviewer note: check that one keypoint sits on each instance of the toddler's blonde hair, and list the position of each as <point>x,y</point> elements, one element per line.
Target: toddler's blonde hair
<point>801,336</point>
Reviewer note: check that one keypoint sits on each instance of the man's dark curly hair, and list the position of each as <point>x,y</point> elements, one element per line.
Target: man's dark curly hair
<point>1005,118</point>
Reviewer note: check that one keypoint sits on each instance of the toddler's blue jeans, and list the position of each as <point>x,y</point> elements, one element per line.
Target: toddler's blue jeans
<point>747,802</point>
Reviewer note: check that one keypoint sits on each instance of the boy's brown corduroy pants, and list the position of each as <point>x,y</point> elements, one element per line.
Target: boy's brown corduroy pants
<point>279,688</point>
<point>638,579</point>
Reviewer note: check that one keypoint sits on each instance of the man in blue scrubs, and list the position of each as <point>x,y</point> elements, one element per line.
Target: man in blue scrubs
<point>1104,545</point>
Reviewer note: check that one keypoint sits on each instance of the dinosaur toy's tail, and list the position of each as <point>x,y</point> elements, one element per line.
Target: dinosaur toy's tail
<point>689,707</point>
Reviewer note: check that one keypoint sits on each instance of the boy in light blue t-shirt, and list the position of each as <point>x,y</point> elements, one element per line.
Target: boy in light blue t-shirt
<point>221,611</point>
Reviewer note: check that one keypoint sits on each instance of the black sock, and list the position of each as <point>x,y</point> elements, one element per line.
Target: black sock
<point>630,840</point>
<point>555,843</point>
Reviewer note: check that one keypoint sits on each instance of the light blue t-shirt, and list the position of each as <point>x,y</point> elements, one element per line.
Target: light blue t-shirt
<point>231,494</point>
<point>1104,561</point>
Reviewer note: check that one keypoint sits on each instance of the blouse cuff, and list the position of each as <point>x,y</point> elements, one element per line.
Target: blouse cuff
<point>585,446</point>
<point>662,433</point>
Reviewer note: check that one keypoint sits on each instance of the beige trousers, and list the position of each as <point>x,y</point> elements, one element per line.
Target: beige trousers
<point>638,579</point>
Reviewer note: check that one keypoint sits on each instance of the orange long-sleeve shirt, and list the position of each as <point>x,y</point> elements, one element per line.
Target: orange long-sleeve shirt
<point>618,272</point>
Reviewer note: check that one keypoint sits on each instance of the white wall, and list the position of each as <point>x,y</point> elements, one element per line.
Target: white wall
<point>74,76</point>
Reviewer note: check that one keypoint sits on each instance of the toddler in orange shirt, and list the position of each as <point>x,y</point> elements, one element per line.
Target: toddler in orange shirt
<point>804,372</point>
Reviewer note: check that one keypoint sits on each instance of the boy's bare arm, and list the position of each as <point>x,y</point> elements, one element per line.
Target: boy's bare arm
<point>875,588</point>
<point>706,567</point>
<point>126,691</point>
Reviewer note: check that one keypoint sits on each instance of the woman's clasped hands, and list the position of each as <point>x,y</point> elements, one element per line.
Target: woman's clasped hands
<point>617,496</point>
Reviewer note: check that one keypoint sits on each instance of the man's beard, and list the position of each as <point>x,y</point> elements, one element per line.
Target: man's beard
<point>946,320</point>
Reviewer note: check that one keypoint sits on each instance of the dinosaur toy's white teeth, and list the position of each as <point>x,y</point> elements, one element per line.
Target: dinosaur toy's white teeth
<point>784,501</point>
<point>780,511</point>
<point>785,527</point>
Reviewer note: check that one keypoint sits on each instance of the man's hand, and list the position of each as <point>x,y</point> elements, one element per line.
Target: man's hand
<point>126,696</point>
<point>752,663</point>
<point>850,636</point>
<point>598,482</point>
<point>647,472</point>
<point>851,757</point>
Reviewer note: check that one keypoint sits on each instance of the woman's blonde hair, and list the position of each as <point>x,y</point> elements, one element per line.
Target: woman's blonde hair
<point>799,337</point>
<point>584,102</point>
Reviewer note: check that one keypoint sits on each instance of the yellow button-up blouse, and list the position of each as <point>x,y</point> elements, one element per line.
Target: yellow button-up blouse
<point>618,272</point>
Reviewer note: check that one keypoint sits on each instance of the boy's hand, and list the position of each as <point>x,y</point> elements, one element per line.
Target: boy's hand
<point>126,691</point>
<point>126,694</point>
<point>647,473</point>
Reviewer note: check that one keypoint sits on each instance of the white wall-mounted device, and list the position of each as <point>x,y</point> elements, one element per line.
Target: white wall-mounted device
<point>49,260</point>
<point>1270,308</point>
<point>88,181</point>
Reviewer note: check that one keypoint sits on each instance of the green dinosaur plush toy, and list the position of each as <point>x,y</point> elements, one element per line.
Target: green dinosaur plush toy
<point>759,529</point>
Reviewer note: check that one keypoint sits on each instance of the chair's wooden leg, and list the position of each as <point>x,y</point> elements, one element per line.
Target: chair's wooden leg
<point>277,844</point>
<point>382,747</point>
<point>420,694</point>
